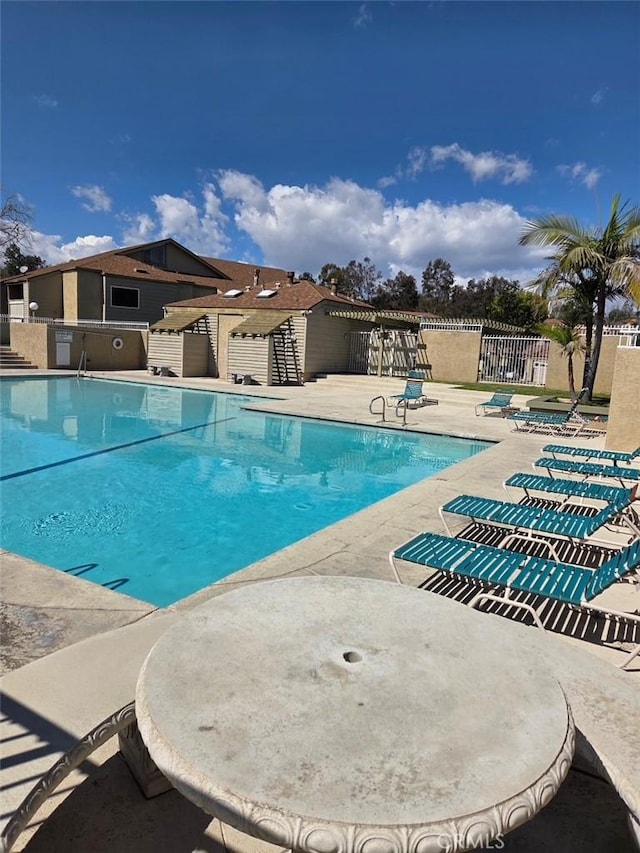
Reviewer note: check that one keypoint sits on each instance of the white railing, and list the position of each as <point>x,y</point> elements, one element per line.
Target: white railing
<point>59,321</point>
<point>452,325</point>
<point>514,360</point>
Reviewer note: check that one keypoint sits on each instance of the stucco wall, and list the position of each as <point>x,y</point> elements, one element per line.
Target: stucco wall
<point>623,430</point>
<point>454,356</point>
<point>46,290</point>
<point>557,379</point>
<point>37,343</point>
<point>30,341</point>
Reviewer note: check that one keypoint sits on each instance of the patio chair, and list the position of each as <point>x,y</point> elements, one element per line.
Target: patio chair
<point>509,570</point>
<point>567,488</point>
<point>500,400</point>
<point>524,522</point>
<point>588,469</point>
<point>571,424</point>
<point>412,393</point>
<point>588,453</point>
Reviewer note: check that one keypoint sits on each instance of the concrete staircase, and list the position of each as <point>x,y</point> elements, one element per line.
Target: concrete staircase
<point>10,360</point>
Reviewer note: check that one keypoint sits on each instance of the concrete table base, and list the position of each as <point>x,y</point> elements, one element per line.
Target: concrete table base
<point>132,748</point>
<point>343,715</point>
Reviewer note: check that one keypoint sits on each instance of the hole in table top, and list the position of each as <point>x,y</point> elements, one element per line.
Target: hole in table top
<point>352,657</point>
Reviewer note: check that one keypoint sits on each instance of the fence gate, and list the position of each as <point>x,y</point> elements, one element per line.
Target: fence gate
<point>517,361</point>
<point>399,352</point>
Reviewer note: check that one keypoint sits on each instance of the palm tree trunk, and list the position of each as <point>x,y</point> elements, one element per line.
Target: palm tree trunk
<point>597,340</point>
<point>572,381</point>
<point>588,349</point>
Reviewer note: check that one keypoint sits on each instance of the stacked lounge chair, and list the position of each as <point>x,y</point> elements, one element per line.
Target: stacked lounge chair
<point>571,424</point>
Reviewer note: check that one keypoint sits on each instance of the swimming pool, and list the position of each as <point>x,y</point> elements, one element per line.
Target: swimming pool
<point>158,492</point>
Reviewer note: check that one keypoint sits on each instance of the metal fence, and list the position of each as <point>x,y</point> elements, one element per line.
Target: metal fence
<point>516,360</point>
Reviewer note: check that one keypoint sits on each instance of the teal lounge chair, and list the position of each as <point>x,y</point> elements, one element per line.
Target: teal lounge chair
<point>412,393</point>
<point>568,488</point>
<point>571,424</point>
<point>524,522</point>
<point>589,454</point>
<point>500,400</point>
<point>589,469</point>
<point>495,567</point>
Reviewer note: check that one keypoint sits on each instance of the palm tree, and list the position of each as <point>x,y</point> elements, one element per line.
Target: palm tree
<point>596,264</point>
<point>568,339</point>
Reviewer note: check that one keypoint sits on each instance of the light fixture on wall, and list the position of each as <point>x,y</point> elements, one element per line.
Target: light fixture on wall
<point>33,307</point>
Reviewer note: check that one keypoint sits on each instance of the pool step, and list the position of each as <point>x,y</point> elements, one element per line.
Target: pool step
<point>11,359</point>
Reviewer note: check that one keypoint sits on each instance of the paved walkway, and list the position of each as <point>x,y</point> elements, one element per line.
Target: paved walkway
<point>83,644</point>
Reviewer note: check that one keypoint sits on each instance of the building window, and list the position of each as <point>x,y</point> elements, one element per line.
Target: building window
<point>125,297</point>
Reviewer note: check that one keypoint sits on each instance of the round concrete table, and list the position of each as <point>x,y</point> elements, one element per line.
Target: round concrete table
<point>344,715</point>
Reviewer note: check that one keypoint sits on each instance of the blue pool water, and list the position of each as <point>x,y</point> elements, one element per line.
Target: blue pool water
<point>158,492</point>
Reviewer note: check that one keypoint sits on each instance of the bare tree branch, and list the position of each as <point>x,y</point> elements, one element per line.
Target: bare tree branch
<point>15,221</point>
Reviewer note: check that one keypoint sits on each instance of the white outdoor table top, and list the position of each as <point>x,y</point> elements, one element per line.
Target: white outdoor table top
<point>344,714</point>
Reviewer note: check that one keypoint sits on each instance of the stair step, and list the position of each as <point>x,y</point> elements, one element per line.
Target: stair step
<point>11,359</point>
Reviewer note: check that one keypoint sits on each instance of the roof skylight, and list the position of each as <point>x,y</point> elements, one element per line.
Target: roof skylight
<point>232,293</point>
<point>265,294</point>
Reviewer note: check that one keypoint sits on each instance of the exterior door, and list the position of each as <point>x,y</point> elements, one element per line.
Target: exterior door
<point>63,354</point>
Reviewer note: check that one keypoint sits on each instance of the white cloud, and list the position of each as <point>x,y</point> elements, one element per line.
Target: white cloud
<point>199,228</point>
<point>303,228</point>
<point>97,200</point>
<point>363,17</point>
<point>139,228</point>
<point>509,168</point>
<point>45,101</point>
<point>598,96</point>
<point>582,173</point>
<point>53,251</point>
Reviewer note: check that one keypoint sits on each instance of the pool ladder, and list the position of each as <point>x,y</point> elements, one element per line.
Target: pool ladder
<point>82,364</point>
<point>400,406</point>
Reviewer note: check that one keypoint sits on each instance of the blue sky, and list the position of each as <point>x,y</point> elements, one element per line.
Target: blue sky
<point>300,133</point>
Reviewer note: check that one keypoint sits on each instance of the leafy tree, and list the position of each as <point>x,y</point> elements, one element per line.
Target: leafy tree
<point>569,340</point>
<point>15,260</point>
<point>397,294</point>
<point>574,295</point>
<point>332,273</point>
<point>625,314</point>
<point>358,279</point>
<point>477,298</point>
<point>306,276</point>
<point>15,219</point>
<point>519,308</point>
<point>364,278</point>
<point>437,285</point>
<point>599,263</point>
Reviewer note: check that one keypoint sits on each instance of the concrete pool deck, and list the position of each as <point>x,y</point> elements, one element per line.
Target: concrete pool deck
<point>72,649</point>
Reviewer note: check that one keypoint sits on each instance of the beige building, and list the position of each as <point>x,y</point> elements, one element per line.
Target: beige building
<point>285,332</point>
<point>129,285</point>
